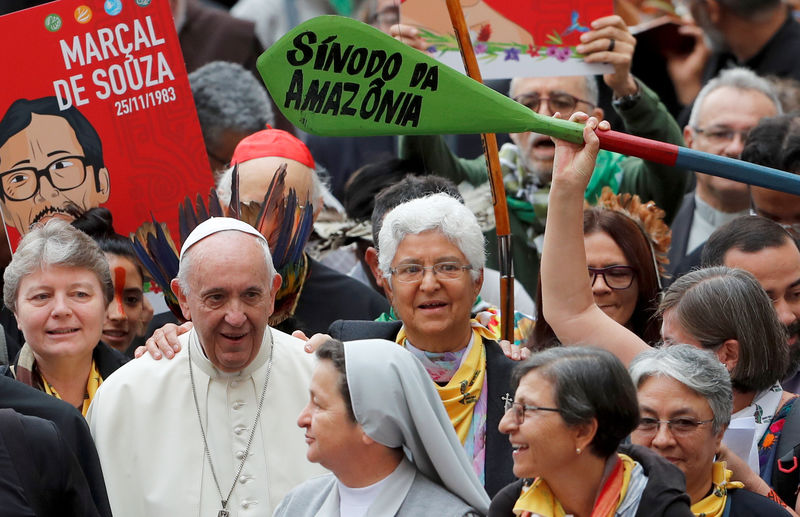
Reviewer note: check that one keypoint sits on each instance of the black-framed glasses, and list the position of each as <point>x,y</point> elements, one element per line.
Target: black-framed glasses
<point>412,273</point>
<point>721,134</point>
<point>65,173</point>
<point>517,410</point>
<point>677,426</point>
<point>558,101</point>
<point>615,277</point>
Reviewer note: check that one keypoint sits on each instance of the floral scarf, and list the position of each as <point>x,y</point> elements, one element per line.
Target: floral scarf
<point>463,390</point>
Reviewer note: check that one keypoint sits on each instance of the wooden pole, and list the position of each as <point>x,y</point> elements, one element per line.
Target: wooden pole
<point>490,152</point>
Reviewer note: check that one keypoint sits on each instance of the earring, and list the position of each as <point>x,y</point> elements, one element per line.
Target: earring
<point>578,450</point>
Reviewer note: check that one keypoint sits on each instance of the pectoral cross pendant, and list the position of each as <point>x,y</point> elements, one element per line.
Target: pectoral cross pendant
<point>223,513</point>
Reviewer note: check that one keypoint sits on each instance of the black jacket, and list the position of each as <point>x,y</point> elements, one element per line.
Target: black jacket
<point>499,463</point>
<point>39,474</point>
<point>328,296</point>
<point>663,496</point>
<point>70,423</point>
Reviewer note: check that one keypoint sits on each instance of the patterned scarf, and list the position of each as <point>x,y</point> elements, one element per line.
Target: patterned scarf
<point>713,505</point>
<point>462,392</point>
<point>28,373</point>
<point>93,382</point>
<point>441,367</point>
<point>539,500</point>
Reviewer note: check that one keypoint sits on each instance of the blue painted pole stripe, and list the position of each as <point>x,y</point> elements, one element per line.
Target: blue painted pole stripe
<point>738,170</point>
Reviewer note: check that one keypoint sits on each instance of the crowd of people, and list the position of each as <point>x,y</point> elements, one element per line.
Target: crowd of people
<point>331,343</point>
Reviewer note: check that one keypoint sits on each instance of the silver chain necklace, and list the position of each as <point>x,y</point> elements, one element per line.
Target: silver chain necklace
<point>223,512</point>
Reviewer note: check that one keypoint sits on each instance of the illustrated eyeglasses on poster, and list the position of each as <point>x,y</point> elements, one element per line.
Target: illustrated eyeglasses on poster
<point>96,109</point>
<point>512,38</point>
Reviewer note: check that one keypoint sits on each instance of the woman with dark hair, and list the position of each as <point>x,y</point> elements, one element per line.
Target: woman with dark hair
<point>128,313</point>
<point>572,407</point>
<point>721,309</point>
<point>626,242</point>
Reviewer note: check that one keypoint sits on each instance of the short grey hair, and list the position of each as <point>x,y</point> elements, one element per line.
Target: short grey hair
<point>592,90</point>
<point>316,196</point>
<point>228,97</point>
<point>438,212</point>
<point>699,370</point>
<point>739,78</point>
<point>57,243</point>
<point>720,303</point>
<point>188,259</point>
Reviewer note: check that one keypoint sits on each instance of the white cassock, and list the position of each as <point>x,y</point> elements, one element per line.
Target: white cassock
<point>144,423</point>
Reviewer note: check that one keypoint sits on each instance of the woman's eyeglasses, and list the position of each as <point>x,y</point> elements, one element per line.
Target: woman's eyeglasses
<point>677,426</point>
<point>517,410</point>
<point>615,277</point>
<point>412,273</point>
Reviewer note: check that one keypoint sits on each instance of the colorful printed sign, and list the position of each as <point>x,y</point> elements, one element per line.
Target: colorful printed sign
<point>345,78</point>
<point>512,38</point>
<point>96,109</point>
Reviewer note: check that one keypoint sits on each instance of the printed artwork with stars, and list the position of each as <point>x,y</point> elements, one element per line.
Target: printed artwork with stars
<point>512,38</point>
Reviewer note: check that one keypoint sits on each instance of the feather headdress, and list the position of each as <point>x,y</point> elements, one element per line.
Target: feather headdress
<point>649,218</point>
<point>279,218</point>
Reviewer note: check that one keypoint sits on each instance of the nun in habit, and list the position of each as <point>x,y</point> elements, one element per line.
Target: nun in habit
<point>375,421</point>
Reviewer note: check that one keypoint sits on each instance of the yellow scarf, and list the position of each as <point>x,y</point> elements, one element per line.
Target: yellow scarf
<point>713,505</point>
<point>94,382</point>
<point>538,499</point>
<point>463,391</point>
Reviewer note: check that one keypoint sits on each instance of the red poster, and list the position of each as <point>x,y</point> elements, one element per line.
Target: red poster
<point>95,109</point>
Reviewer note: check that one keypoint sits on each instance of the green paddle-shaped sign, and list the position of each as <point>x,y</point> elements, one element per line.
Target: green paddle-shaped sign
<point>334,76</point>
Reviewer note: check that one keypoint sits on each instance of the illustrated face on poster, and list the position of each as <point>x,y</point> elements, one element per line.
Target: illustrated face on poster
<point>51,164</point>
<point>104,99</point>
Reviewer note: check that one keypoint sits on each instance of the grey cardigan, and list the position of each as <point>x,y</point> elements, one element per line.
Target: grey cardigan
<point>424,498</point>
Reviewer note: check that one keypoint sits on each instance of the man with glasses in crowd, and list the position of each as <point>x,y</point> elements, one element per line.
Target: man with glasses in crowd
<point>527,162</point>
<point>51,164</point>
<point>725,111</point>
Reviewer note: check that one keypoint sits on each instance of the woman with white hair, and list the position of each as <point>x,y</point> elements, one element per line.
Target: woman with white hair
<point>430,251</point>
<point>685,401</point>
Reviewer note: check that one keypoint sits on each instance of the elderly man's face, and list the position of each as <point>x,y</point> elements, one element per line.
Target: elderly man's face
<point>44,175</point>
<point>536,150</point>
<point>255,176</point>
<point>725,118</point>
<point>230,297</point>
